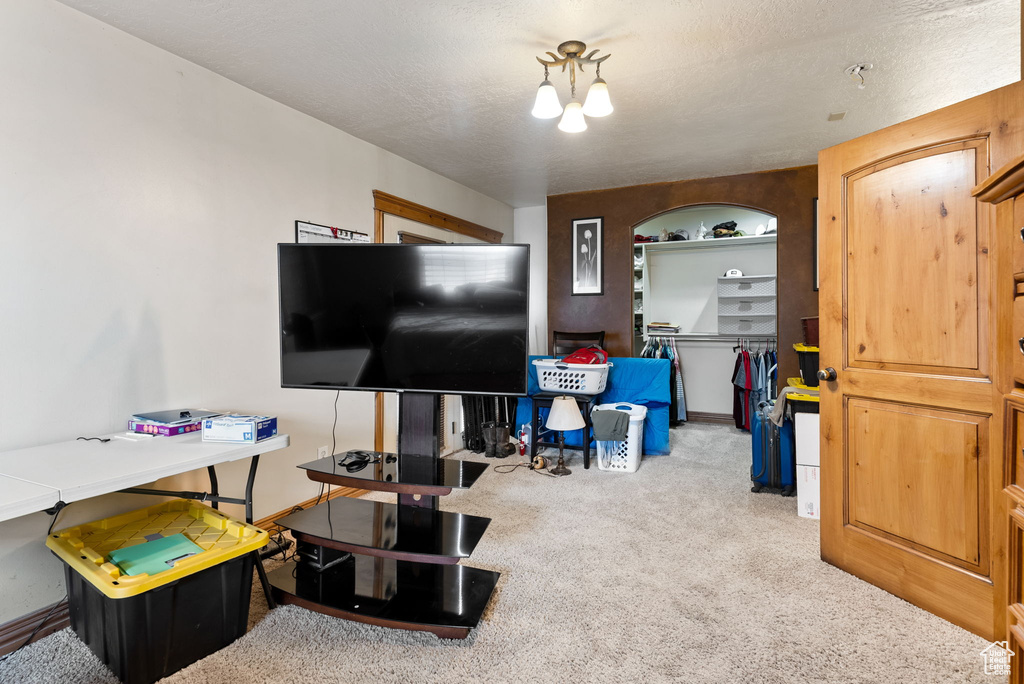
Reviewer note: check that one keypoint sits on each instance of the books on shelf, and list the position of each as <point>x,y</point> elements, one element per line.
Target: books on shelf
<point>660,327</point>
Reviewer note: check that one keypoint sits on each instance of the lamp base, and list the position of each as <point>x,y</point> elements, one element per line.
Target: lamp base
<point>560,469</point>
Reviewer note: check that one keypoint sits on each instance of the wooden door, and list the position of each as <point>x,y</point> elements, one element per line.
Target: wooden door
<point>910,315</point>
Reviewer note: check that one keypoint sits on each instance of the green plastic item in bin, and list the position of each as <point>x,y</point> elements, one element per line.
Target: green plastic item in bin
<point>154,556</point>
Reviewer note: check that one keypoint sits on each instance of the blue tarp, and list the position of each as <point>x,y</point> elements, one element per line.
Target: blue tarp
<point>635,381</point>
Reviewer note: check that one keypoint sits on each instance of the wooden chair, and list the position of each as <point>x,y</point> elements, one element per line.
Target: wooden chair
<point>563,343</point>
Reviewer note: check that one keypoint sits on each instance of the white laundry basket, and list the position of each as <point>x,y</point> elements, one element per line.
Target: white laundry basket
<point>623,456</point>
<point>553,375</point>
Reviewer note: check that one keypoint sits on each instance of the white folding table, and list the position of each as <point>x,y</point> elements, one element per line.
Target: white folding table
<point>18,497</point>
<point>51,476</point>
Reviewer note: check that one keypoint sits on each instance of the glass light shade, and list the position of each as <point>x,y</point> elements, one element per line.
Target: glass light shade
<point>572,119</point>
<point>547,105</point>
<point>565,414</point>
<point>597,103</point>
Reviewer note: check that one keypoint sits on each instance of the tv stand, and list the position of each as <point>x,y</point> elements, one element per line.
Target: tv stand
<point>391,564</point>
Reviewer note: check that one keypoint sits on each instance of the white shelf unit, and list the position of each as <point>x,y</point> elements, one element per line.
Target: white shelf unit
<point>679,283</point>
<point>747,305</point>
<point>680,286</point>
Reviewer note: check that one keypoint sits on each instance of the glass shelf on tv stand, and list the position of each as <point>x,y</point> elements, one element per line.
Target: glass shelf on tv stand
<point>397,473</point>
<point>419,560</point>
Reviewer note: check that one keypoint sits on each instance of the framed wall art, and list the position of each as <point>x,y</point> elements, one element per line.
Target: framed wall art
<point>588,256</point>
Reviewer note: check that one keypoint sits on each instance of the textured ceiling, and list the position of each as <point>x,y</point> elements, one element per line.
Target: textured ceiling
<point>700,87</point>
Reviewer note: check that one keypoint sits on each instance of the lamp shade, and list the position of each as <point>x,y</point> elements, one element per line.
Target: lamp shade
<point>572,119</point>
<point>598,103</point>
<point>565,415</point>
<point>547,105</point>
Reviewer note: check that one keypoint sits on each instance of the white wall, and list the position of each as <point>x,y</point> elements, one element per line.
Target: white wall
<point>141,198</point>
<point>531,227</point>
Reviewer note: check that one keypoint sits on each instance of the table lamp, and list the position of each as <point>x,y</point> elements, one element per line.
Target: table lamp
<point>564,415</point>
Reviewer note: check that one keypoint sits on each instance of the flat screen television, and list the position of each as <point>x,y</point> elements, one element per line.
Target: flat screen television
<point>450,319</point>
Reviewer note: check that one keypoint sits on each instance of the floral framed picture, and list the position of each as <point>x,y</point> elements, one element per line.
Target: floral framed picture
<point>588,256</point>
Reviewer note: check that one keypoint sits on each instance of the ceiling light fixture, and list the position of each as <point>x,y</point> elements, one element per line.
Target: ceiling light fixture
<point>547,105</point>
<point>856,73</point>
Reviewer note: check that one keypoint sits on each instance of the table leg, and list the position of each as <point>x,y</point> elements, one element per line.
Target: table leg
<point>260,570</point>
<point>587,430</point>
<point>535,429</point>
<point>214,488</point>
<point>248,487</point>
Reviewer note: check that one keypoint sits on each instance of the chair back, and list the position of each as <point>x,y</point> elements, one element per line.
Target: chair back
<point>563,343</point>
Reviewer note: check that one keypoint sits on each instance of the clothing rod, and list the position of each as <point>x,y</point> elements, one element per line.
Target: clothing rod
<point>684,337</point>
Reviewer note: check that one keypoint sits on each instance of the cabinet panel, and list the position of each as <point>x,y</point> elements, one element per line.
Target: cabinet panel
<point>1018,340</point>
<point>1015,641</point>
<point>1018,237</point>
<point>1016,587</point>
<point>1014,443</point>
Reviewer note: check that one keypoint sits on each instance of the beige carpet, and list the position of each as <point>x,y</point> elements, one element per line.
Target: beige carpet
<point>676,573</point>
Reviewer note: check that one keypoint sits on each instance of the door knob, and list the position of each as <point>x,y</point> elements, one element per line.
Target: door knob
<point>828,374</point>
<point>1020,343</point>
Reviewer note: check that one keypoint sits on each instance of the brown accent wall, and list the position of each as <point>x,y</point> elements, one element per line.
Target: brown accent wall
<point>788,194</point>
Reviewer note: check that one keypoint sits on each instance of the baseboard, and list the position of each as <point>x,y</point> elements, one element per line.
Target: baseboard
<point>717,418</point>
<point>14,633</point>
<point>269,523</point>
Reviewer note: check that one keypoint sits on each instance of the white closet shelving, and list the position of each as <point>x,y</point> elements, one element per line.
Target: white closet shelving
<point>682,282</point>
<point>746,305</point>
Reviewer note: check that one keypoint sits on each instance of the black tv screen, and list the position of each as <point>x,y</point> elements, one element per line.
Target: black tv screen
<point>422,318</point>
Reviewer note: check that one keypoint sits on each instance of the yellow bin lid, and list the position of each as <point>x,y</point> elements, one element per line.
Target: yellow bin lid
<point>801,347</point>
<point>85,547</point>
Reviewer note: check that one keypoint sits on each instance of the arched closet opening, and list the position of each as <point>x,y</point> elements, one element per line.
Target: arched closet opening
<point>702,296</point>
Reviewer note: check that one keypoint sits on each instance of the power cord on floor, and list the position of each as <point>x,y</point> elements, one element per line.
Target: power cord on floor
<point>35,631</point>
<point>511,467</point>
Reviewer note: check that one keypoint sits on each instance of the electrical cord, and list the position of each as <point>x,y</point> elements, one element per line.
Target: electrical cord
<point>57,508</point>
<point>511,467</point>
<point>90,439</point>
<point>355,461</point>
<point>334,428</point>
<point>36,630</point>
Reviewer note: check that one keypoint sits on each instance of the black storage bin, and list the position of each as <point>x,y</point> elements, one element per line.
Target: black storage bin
<point>808,364</point>
<point>146,637</point>
<point>803,406</point>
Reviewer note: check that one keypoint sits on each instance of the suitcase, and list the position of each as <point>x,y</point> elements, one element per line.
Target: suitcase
<point>773,449</point>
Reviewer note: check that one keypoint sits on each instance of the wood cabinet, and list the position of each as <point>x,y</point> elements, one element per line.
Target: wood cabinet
<point>1005,188</point>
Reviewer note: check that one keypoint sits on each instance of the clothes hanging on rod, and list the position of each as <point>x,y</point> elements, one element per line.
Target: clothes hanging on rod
<point>665,348</point>
<point>754,379</point>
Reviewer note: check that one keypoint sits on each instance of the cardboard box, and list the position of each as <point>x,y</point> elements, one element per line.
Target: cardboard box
<point>148,428</point>
<point>239,429</point>
<point>807,427</point>
<point>808,492</point>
